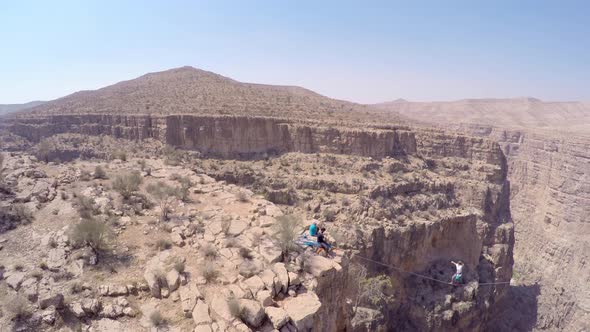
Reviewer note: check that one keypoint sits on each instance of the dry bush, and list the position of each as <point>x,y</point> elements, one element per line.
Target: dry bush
<point>121,155</point>
<point>85,175</point>
<point>179,265</point>
<point>22,213</point>
<point>172,156</point>
<point>92,233</point>
<point>234,307</point>
<point>209,251</point>
<point>163,244</point>
<point>100,173</point>
<point>156,318</point>
<point>165,195</point>
<point>18,309</point>
<point>286,230</point>
<point>43,150</point>
<point>210,272</point>
<point>231,242</point>
<point>329,215</point>
<point>197,227</point>
<point>242,197</point>
<point>246,253</point>
<point>86,207</point>
<point>127,184</point>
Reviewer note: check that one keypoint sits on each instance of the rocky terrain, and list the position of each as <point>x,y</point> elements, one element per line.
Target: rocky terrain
<point>548,161</point>
<point>144,208</point>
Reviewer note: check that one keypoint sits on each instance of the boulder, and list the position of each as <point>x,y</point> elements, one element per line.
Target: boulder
<point>268,277</point>
<point>49,298</point>
<point>270,252</point>
<point>118,291</point>
<point>254,284</point>
<point>153,283</point>
<point>91,306</point>
<point>15,279</point>
<point>264,297</point>
<point>173,280</point>
<point>203,328</point>
<point>302,309</point>
<point>177,239</point>
<point>252,312</point>
<point>56,258</point>
<point>30,289</point>
<point>219,304</point>
<point>201,314</point>
<point>282,277</point>
<point>320,266</point>
<point>277,316</point>
<point>237,227</point>
<point>48,315</point>
<point>188,298</point>
<point>77,310</point>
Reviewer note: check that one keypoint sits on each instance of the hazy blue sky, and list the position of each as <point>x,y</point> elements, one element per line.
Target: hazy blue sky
<point>364,51</point>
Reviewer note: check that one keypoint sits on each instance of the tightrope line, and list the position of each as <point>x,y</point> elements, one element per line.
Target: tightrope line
<point>421,275</point>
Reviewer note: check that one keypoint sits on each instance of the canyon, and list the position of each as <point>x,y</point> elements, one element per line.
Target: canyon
<point>401,198</point>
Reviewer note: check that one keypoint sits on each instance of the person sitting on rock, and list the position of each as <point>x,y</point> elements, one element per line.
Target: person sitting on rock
<point>458,276</point>
<point>313,229</point>
<point>322,241</point>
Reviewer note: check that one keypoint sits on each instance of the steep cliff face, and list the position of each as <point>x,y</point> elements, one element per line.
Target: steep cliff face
<point>225,136</point>
<point>550,206</point>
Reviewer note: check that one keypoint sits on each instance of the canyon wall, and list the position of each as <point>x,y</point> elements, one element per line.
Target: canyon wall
<point>225,136</point>
<point>550,178</point>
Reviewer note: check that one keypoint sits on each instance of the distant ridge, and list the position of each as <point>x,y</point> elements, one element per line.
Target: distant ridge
<point>187,90</point>
<point>10,108</point>
<point>506,112</point>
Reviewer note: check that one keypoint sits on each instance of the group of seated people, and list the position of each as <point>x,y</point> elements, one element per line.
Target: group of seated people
<point>323,245</point>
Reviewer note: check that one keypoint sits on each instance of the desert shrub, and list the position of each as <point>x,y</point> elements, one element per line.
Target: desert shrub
<point>248,268</point>
<point>163,244</point>
<point>100,173</point>
<point>64,195</point>
<point>18,309</point>
<point>43,266</point>
<point>231,242</point>
<point>286,230</point>
<point>210,272</point>
<point>184,189</point>
<point>156,318</point>
<point>242,197</point>
<point>119,154</point>
<point>36,274</point>
<point>92,233</point>
<point>18,267</point>
<point>209,251</point>
<point>172,156</point>
<point>127,184</point>
<point>43,150</point>
<point>179,265</point>
<point>234,307</point>
<point>76,287</point>
<point>165,195</point>
<point>246,253</point>
<point>86,207</point>
<point>329,215</point>
<point>85,175</point>
<point>197,227</point>
<point>22,213</point>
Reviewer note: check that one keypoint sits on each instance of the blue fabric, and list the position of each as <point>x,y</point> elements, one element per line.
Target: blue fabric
<point>313,230</point>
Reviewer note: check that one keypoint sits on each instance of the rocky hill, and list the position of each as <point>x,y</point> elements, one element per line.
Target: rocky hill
<point>188,90</point>
<point>547,149</point>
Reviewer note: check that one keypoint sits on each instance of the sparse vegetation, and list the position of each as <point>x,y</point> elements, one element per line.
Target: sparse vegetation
<point>209,251</point>
<point>100,173</point>
<point>329,215</point>
<point>242,197</point>
<point>210,272</point>
<point>172,156</point>
<point>234,307</point>
<point>370,290</point>
<point>286,230</point>
<point>127,184</point>
<point>43,150</point>
<point>246,253</point>
<point>225,224</point>
<point>121,155</point>
<point>85,175</point>
<point>86,207</point>
<point>18,309</point>
<point>22,213</point>
<point>179,265</point>
<point>92,233</point>
<point>165,195</point>
<point>156,318</point>
<point>163,244</point>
